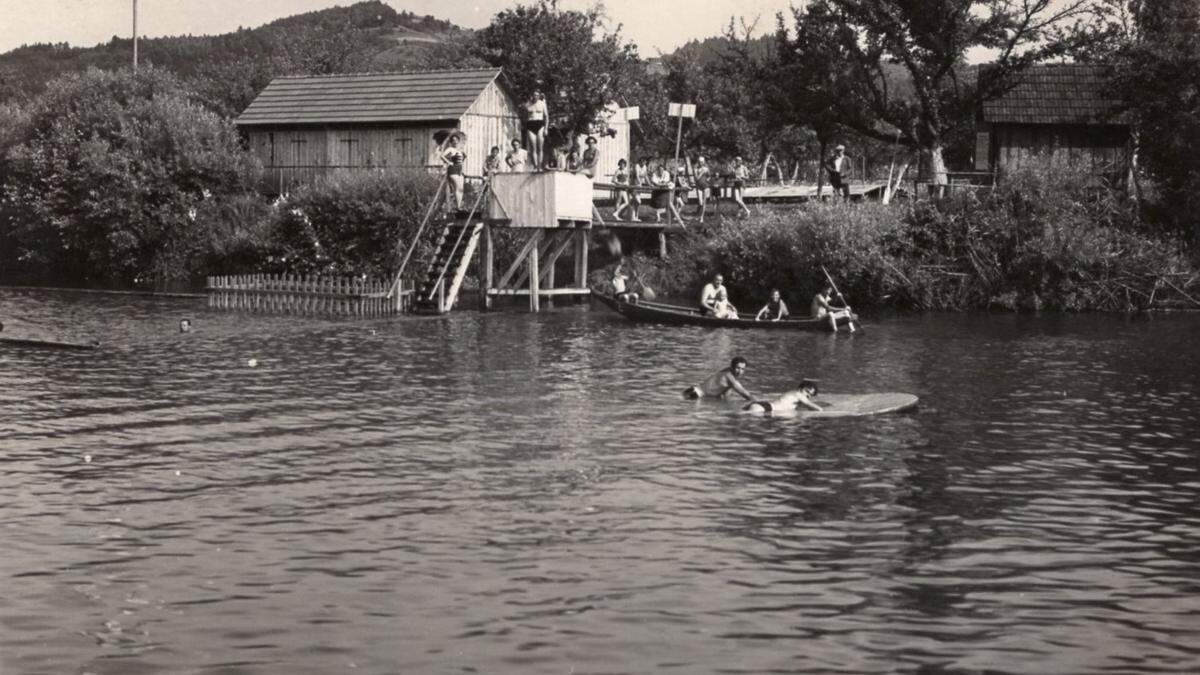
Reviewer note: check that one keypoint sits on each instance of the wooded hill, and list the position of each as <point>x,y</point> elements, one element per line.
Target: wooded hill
<point>229,70</point>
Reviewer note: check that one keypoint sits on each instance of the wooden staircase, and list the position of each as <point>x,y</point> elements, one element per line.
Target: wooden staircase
<point>438,289</point>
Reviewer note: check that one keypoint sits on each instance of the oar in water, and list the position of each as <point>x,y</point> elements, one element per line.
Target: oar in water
<point>839,294</point>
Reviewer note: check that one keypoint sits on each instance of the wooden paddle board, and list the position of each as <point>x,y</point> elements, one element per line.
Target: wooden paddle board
<point>849,405</point>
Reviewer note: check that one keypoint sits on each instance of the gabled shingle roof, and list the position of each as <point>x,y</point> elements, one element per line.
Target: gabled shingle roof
<point>368,98</point>
<point>1057,94</point>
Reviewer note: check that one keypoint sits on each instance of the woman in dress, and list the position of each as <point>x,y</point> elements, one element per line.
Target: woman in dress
<point>537,116</point>
<point>453,157</point>
<point>661,199</point>
<point>517,158</point>
<point>703,181</point>
<point>741,174</point>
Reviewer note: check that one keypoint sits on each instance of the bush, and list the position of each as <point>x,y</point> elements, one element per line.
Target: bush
<point>1046,237</point>
<point>104,175</point>
<point>352,223</point>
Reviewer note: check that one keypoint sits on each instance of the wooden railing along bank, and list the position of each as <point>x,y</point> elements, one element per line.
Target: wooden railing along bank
<point>306,294</point>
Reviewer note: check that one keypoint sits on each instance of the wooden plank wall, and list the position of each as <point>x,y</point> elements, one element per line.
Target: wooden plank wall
<point>492,120</point>
<point>1100,148</point>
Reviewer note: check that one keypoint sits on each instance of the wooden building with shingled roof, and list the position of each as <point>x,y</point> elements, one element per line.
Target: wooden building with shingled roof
<point>303,127</point>
<point>1054,113</point>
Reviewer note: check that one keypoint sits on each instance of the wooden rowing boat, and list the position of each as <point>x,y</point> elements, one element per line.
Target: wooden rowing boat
<point>645,311</point>
<point>47,344</point>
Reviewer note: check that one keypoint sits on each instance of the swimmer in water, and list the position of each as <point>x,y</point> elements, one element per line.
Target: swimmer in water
<point>719,384</point>
<point>802,398</point>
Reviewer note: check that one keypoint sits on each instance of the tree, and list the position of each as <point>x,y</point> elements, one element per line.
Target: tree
<point>107,174</point>
<point>568,55</point>
<point>1158,76</point>
<point>929,39</point>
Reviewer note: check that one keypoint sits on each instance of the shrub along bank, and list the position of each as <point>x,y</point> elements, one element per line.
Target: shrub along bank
<point>1048,238</point>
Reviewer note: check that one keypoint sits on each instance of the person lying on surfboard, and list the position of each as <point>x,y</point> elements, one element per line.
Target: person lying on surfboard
<point>802,398</point>
<point>821,308</point>
<point>719,384</point>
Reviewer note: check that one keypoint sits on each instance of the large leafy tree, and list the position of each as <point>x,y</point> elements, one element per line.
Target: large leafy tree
<point>105,176</point>
<point>929,40</point>
<point>568,55</point>
<point>1158,76</point>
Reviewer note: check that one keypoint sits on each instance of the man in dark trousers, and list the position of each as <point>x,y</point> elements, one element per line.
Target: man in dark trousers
<point>838,166</point>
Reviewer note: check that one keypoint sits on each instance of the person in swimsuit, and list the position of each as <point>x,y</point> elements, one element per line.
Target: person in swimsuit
<point>708,296</point>
<point>703,181</point>
<point>624,199</point>
<point>741,174</point>
<point>775,309</point>
<point>537,116</point>
<point>453,157</point>
<point>517,158</point>
<point>821,308</point>
<point>590,161</point>
<point>802,398</point>
<point>620,282</point>
<point>491,165</point>
<point>719,384</point>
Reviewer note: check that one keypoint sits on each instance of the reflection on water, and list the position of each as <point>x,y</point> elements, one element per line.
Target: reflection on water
<point>528,494</point>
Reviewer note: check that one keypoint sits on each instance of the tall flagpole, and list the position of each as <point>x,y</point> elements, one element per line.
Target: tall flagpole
<point>135,64</point>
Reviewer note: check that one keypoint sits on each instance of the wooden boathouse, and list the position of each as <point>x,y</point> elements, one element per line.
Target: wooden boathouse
<point>1054,113</point>
<point>304,127</point>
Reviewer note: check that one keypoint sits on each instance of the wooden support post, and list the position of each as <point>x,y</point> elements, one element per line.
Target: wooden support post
<point>534,277</point>
<point>662,244</point>
<point>581,258</point>
<point>487,263</point>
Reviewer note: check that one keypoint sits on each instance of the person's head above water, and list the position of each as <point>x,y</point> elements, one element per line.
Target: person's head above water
<point>737,365</point>
<point>810,385</point>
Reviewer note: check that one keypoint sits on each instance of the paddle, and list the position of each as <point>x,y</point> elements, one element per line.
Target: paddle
<point>647,292</point>
<point>829,278</point>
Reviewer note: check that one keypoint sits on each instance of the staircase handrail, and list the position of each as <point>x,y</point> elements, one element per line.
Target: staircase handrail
<point>412,245</point>
<point>487,184</point>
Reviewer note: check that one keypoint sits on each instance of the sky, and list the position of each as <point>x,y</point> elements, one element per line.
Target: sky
<point>654,25</point>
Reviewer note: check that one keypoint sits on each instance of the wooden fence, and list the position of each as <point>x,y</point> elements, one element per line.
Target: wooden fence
<point>306,294</point>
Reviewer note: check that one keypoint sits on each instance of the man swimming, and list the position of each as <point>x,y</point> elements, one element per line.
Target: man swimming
<point>802,398</point>
<point>721,382</point>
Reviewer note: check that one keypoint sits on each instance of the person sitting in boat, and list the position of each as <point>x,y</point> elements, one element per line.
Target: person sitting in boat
<point>620,282</point>
<point>802,398</point>
<point>708,296</point>
<point>775,309</point>
<point>821,308</point>
<point>722,307</point>
<point>719,384</point>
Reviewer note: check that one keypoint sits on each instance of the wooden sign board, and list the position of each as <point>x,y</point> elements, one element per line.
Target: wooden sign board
<point>633,113</point>
<point>681,110</point>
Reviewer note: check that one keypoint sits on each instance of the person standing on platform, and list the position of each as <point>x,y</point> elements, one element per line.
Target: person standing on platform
<point>517,158</point>
<point>590,162</point>
<point>537,117</point>
<point>837,167</point>
<point>661,199</point>
<point>703,181</point>
<point>622,178</point>
<point>491,165</point>
<point>741,174</point>
<point>453,157</point>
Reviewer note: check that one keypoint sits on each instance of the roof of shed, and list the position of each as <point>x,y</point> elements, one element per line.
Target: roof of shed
<point>1058,94</point>
<point>421,96</point>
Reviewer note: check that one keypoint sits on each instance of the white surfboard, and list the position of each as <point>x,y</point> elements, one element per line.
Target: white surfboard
<point>847,405</point>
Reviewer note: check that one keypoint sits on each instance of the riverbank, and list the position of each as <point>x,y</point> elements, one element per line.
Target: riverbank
<point>1053,240</point>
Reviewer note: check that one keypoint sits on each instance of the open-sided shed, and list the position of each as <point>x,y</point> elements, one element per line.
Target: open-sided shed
<point>306,126</point>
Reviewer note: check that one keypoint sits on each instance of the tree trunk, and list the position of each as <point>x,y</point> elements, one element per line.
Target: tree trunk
<point>890,190</point>
<point>821,166</point>
<point>937,166</point>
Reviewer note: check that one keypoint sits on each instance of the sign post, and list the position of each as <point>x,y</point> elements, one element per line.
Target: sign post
<point>680,110</point>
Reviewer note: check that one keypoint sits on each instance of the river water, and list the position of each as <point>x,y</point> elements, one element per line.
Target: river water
<point>509,493</point>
